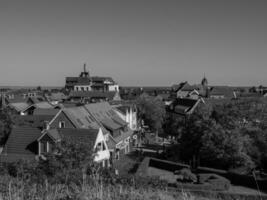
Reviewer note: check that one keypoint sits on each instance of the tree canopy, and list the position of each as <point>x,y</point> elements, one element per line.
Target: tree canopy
<point>151,110</point>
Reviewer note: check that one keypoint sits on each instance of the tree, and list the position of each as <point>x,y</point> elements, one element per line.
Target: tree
<point>152,111</point>
<point>5,125</point>
<point>70,161</point>
<point>225,149</point>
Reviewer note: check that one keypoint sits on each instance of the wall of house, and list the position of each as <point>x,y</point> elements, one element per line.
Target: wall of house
<point>82,88</point>
<point>48,142</point>
<point>104,153</point>
<point>61,117</point>
<point>113,88</point>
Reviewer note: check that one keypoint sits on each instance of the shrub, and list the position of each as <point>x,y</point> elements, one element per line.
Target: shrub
<point>187,175</point>
<point>142,182</point>
<point>217,182</point>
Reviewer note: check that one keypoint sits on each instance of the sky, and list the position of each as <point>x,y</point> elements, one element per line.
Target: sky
<point>137,42</point>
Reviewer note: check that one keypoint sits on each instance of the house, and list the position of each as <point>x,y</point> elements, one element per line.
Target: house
<point>22,95</point>
<point>30,143</point>
<point>185,90</point>
<point>184,106</point>
<point>39,105</point>
<point>221,92</point>
<point>36,121</point>
<point>97,115</point>
<point>85,82</point>
<point>55,97</point>
<point>19,108</point>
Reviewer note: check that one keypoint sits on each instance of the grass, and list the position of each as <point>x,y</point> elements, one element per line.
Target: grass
<point>19,190</point>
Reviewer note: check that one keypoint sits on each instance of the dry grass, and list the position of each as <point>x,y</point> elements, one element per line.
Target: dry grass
<point>18,190</point>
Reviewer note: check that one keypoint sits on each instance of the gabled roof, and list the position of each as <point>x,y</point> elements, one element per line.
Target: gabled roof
<point>57,96</point>
<point>225,91</point>
<point>104,110</point>
<point>177,87</point>
<point>44,111</point>
<point>44,105</point>
<point>19,107</point>
<point>101,78</point>
<point>80,117</point>
<point>83,135</point>
<point>32,120</point>
<point>187,87</point>
<point>21,139</point>
<point>185,106</point>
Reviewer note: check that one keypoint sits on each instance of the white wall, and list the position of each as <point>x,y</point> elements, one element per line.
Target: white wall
<point>113,88</point>
<point>101,155</point>
<point>85,88</point>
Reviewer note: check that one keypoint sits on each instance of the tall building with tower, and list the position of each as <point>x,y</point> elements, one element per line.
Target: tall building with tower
<point>85,82</point>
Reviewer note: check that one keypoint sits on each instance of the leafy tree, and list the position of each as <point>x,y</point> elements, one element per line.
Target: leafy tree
<point>5,125</point>
<point>225,149</point>
<point>151,110</point>
<point>70,161</point>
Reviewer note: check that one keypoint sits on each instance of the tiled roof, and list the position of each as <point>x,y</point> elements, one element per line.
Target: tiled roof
<point>184,105</point>
<point>110,124</point>
<point>93,94</point>
<point>222,91</point>
<point>104,110</point>
<point>57,96</point>
<point>32,120</point>
<point>124,136</point>
<point>82,135</point>
<point>99,78</point>
<point>21,140</point>
<point>95,116</point>
<point>81,118</point>
<point>44,111</point>
<point>44,105</point>
<point>19,107</point>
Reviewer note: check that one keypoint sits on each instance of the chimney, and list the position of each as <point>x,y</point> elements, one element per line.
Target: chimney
<point>46,125</point>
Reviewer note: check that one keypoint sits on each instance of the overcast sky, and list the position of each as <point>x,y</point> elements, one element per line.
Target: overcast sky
<point>137,42</point>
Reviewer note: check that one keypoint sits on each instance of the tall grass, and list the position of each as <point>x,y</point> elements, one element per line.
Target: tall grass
<point>16,189</point>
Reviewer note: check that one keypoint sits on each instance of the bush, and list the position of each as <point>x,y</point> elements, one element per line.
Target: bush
<point>217,182</point>
<point>142,182</point>
<point>186,175</point>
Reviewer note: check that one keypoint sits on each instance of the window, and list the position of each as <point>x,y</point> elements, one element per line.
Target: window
<point>117,155</point>
<point>61,124</point>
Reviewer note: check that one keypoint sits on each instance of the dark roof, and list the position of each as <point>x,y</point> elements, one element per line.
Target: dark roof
<point>101,78</point>
<point>177,87</point>
<point>19,107</point>
<point>79,135</point>
<point>44,111</point>
<point>21,139</point>
<point>184,106</point>
<point>225,91</point>
<point>187,87</point>
<point>83,81</point>
<point>32,120</point>
<point>74,79</point>
<point>104,110</point>
<point>93,94</point>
